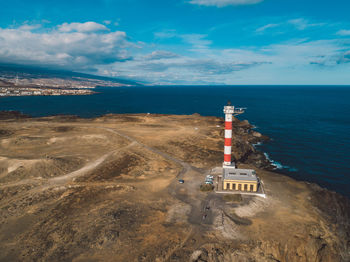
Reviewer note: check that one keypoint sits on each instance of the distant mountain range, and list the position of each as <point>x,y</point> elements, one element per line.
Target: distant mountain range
<point>21,71</point>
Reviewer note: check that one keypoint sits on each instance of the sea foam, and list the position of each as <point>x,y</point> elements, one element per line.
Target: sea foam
<point>278,165</point>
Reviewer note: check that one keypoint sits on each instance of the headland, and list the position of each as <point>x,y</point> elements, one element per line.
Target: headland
<point>106,189</point>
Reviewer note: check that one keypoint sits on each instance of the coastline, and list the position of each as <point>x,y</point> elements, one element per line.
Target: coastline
<point>252,155</point>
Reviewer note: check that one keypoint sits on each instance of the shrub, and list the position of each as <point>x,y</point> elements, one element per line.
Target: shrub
<point>206,188</point>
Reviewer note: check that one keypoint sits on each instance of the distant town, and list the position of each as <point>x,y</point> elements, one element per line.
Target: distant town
<point>27,85</point>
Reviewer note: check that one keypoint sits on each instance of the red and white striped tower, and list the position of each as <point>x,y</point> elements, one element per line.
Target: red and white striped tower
<point>229,110</point>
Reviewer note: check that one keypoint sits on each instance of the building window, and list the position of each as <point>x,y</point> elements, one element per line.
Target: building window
<point>251,188</point>
<point>234,186</point>
<point>227,185</point>
<point>245,187</point>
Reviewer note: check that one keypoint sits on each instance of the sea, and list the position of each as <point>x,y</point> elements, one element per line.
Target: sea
<point>309,126</point>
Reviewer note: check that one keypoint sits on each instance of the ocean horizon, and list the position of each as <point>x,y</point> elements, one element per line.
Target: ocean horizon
<point>309,126</point>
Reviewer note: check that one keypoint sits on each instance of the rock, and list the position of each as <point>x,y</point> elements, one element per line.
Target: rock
<point>256,134</point>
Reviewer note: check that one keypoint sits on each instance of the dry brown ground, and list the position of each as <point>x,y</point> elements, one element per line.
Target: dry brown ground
<point>106,189</point>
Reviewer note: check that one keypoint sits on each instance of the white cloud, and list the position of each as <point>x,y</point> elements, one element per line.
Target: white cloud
<point>157,55</point>
<point>332,60</point>
<point>302,23</point>
<point>82,27</point>
<point>197,41</point>
<point>63,47</point>
<point>285,26</point>
<point>302,53</point>
<point>343,32</point>
<point>170,33</point>
<point>27,27</point>
<point>189,59</point>
<point>273,64</point>
<point>199,66</point>
<point>222,3</point>
<point>265,27</point>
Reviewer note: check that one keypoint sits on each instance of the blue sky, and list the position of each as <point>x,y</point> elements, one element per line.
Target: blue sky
<point>183,41</point>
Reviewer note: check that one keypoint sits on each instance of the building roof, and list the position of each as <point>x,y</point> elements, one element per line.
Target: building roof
<point>239,174</point>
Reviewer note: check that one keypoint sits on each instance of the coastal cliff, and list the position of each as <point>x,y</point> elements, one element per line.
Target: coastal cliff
<point>106,189</point>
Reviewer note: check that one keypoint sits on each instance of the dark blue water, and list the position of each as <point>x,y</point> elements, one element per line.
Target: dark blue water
<point>309,126</point>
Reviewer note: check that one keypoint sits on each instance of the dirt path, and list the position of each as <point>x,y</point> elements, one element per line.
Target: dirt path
<point>80,172</point>
<point>40,185</point>
<point>187,193</point>
<point>200,216</point>
<point>186,166</point>
<point>87,168</point>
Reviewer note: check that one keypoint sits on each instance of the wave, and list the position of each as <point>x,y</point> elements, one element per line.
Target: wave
<point>278,165</point>
<point>257,144</point>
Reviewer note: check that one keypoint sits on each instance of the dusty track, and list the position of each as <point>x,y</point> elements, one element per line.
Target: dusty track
<point>87,168</point>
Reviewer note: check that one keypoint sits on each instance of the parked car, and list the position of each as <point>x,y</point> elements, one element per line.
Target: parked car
<point>181,181</point>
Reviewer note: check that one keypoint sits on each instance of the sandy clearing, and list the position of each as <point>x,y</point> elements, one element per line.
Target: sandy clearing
<point>54,140</point>
<point>255,206</point>
<point>14,164</point>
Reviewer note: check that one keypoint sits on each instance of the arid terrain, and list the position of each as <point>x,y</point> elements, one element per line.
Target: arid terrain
<point>106,189</point>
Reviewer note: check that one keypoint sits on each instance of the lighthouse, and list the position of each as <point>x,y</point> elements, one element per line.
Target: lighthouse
<point>228,111</point>
<point>234,179</point>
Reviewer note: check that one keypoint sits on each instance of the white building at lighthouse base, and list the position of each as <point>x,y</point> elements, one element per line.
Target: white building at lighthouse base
<point>239,179</point>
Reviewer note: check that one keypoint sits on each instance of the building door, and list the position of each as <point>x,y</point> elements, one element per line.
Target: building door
<point>245,187</point>
<point>233,186</point>
<point>239,187</point>
<point>251,188</point>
